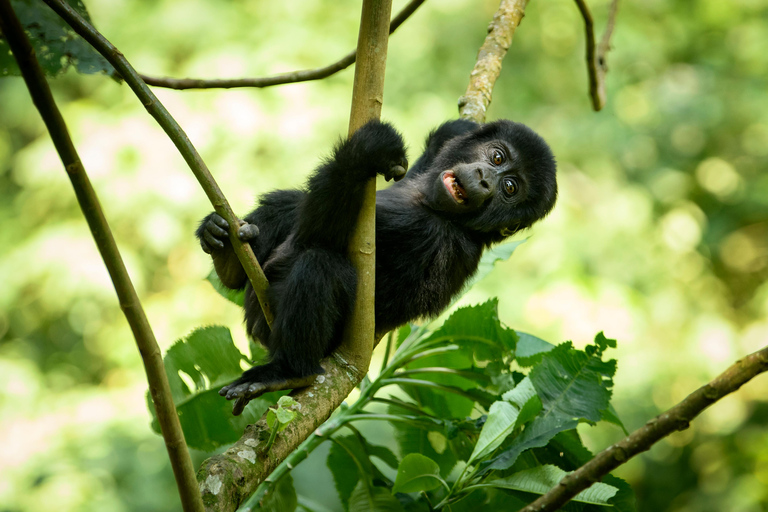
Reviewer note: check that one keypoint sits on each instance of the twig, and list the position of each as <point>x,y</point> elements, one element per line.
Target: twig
<point>597,65</point>
<point>97,222</point>
<point>305,75</point>
<point>181,141</point>
<point>676,418</point>
<point>474,104</point>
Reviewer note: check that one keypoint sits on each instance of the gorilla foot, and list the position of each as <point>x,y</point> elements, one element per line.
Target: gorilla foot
<point>244,391</point>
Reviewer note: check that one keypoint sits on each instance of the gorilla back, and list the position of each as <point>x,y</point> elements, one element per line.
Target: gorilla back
<point>474,185</point>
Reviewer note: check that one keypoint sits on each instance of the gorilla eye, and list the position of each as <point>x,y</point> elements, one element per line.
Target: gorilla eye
<point>510,186</point>
<point>497,157</point>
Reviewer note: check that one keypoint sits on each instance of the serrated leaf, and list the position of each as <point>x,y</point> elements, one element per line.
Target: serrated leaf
<point>573,384</point>
<point>536,434</point>
<point>56,45</point>
<point>541,479</point>
<point>530,349</point>
<point>367,498</point>
<point>207,359</point>
<point>499,424</point>
<point>234,296</point>
<point>417,473</point>
<point>478,332</point>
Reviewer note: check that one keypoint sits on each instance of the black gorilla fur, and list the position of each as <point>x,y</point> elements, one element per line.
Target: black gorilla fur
<point>473,186</point>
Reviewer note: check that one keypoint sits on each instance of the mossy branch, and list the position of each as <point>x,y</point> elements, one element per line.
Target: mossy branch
<point>97,222</point>
<point>474,104</point>
<point>292,77</point>
<point>180,140</point>
<point>676,418</point>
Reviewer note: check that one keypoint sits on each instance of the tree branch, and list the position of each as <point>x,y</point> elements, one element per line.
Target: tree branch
<point>676,418</point>
<point>474,104</point>
<point>597,65</point>
<point>293,77</point>
<point>181,141</point>
<point>97,222</point>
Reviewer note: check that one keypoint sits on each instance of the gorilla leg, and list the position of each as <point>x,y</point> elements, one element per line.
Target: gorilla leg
<point>317,292</point>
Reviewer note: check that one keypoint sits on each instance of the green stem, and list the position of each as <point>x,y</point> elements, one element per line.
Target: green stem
<point>97,222</point>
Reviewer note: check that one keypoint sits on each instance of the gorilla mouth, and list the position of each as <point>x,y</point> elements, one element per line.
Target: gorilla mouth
<point>454,187</point>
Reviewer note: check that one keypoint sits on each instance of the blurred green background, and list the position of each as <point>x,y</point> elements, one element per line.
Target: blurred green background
<point>659,238</point>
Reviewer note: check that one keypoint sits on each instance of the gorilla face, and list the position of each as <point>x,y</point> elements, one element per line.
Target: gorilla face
<point>495,180</point>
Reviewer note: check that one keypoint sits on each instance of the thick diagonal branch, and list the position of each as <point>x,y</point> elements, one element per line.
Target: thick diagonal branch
<point>474,104</point>
<point>181,141</point>
<point>97,222</point>
<point>677,418</point>
<point>292,77</point>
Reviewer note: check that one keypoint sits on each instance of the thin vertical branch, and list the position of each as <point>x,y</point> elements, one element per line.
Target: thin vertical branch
<point>181,141</point>
<point>474,104</point>
<point>597,65</point>
<point>367,99</point>
<point>129,301</point>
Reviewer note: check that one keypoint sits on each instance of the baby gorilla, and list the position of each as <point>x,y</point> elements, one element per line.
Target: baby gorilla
<point>473,186</point>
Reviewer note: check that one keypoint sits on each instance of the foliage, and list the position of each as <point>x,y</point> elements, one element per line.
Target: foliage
<point>658,236</point>
<point>56,44</point>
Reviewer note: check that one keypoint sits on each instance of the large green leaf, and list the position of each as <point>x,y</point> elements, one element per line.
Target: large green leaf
<point>537,434</point>
<point>479,334</point>
<point>573,384</point>
<point>56,45</point>
<point>197,366</point>
<point>541,479</point>
<point>499,424</point>
<point>530,349</point>
<point>341,462</point>
<point>417,473</point>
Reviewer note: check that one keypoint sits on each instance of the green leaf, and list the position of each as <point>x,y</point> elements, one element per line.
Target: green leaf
<point>56,45</point>
<point>521,393</point>
<point>281,496</point>
<point>343,466</point>
<point>499,424</point>
<point>367,498</point>
<point>536,434</point>
<point>530,410</point>
<point>530,349</point>
<point>478,332</point>
<point>383,453</point>
<point>541,479</point>
<point>417,473</point>
<point>197,366</point>
<point>611,416</point>
<point>234,296</point>
<point>573,384</point>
